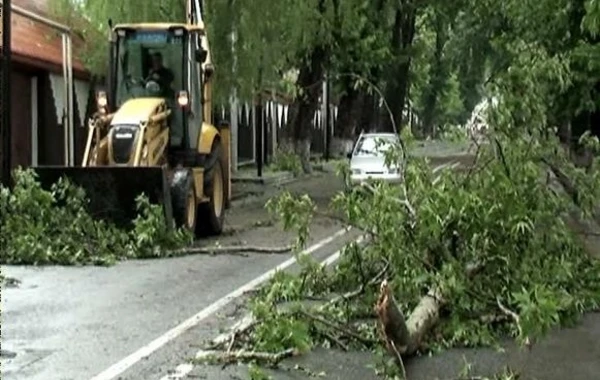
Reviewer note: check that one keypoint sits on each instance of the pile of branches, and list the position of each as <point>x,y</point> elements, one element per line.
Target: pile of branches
<point>53,227</point>
<point>462,260</point>
<point>40,227</point>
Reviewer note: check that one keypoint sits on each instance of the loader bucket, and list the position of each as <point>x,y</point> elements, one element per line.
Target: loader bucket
<point>112,190</point>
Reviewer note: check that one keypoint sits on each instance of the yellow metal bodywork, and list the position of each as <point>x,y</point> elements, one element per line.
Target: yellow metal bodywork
<point>199,182</point>
<point>225,134</point>
<point>207,136</point>
<point>151,145</point>
<point>135,111</point>
<point>151,115</point>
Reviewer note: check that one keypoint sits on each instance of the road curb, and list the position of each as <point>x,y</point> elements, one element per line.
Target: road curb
<point>254,196</point>
<point>264,180</point>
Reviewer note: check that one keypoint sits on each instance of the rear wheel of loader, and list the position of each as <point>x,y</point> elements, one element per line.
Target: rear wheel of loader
<point>183,195</point>
<point>212,213</point>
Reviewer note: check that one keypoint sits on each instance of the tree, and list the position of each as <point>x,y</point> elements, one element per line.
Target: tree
<point>361,49</point>
<point>479,253</point>
<point>397,83</point>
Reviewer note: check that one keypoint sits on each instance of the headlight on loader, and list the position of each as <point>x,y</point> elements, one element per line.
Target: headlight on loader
<point>183,99</point>
<point>101,101</point>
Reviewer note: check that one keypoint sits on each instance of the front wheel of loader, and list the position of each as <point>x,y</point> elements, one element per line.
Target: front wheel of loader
<point>183,195</point>
<point>212,213</point>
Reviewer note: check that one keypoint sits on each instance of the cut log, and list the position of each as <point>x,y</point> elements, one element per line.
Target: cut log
<point>404,337</point>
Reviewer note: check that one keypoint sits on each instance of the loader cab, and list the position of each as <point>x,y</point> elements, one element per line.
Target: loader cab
<point>134,52</point>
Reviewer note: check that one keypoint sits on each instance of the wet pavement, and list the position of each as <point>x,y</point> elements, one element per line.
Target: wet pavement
<point>72,323</point>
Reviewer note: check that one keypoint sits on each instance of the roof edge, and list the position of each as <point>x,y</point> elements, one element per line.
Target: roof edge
<point>50,66</point>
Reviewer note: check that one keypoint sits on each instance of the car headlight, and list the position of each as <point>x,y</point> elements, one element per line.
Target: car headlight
<point>393,171</point>
<point>356,171</point>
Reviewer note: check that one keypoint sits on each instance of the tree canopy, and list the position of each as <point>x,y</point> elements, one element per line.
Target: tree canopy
<point>432,60</point>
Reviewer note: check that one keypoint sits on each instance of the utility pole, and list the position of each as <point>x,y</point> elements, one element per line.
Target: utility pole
<point>326,118</point>
<point>233,102</point>
<point>266,127</point>
<point>5,90</point>
<point>259,123</point>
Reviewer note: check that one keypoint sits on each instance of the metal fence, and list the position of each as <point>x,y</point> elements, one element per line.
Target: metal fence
<point>275,109</point>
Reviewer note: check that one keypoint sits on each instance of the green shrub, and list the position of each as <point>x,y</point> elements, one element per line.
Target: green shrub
<point>286,162</point>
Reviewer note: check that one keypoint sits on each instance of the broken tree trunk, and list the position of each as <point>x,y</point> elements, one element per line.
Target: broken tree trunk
<point>404,337</point>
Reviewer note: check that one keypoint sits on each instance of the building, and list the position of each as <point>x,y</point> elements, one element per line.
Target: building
<point>38,94</point>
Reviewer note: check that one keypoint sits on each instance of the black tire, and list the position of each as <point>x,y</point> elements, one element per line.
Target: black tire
<point>212,213</point>
<point>183,199</point>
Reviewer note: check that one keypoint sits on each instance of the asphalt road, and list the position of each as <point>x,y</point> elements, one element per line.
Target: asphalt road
<point>74,322</point>
<point>141,319</point>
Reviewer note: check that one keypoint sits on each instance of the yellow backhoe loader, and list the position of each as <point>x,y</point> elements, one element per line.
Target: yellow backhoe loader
<point>152,132</point>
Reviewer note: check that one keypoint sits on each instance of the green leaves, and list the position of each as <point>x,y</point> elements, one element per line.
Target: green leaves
<point>296,212</point>
<point>287,162</point>
<point>278,330</point>
<point>491,237</point>
<point>591,20</point>
<point>52,227</point>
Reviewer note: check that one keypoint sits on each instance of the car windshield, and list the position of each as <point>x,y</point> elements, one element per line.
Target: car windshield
<point>374,145</point>
<point>136,52</point>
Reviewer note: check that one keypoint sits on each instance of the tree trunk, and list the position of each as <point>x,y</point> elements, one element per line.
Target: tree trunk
<point>437,80</point>
<point>348,121</point>
<point>405,337</point>
<point>397,89</point>
<point>471,70</point>
<point>298,131</point>
<point>369,112</point>
<point>302,111</point>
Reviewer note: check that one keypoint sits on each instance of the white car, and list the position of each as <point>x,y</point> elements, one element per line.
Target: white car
<point>367,160</point>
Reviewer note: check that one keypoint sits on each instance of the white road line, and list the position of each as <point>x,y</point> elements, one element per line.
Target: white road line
<point>445,166</point>
<point>182,370</point>
<point>440,167</point>
<point>118,368</point>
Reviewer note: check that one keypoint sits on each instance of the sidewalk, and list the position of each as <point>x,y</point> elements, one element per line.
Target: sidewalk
<point>246,183</point>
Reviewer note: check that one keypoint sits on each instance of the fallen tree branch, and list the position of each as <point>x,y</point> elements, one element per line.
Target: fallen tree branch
<point>333,339</point>
<point>224,357</point>
<point>399,360</point>
<point>406,336</point>
<point>243,325</point>
<point>566,184</point>
<point>249,321</point>
<point>234,249</point>
<point>515,317</point>
<point>361,289</point>
<point>335,326</point>
<point>404,202</point>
